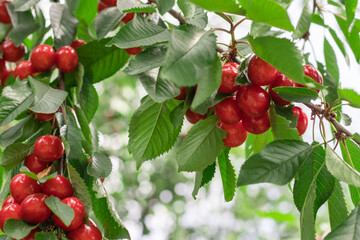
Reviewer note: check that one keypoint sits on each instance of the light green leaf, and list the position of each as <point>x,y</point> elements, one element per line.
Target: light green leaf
<point>135,6</point>
<point>86,10</point>
<point>304,22</point>
<point>17,228</point>
<point>14,154</point>
<point>350,10</point>
<point>165,5</point>
<point>14,133</point>
<point>255,143</point>
<point>351,96</point>
<point>24,5</point>
<point>89,100</point>
<point>228,176</point>
<point>296,94</point>
<point>203,177</point>
<point>282,123</point>
<point>330,59</point>
<point>45,236</point>
<point>60,209</point>
<point>337,206</point>
<point>100,166</point>
<point>229,6</point>
<point>348,229</point>
<point>106,20</point>
<point>307,221</point>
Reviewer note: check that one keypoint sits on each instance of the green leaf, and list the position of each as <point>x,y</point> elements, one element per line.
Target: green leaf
<point>101,62</point>
<point>165,5</point>
<point>296,94</point>
<point>337,206</point>
<point>304,22</point>
<point>350,10</point>
<point>106,20</point>
<point>198,19</point>
<point>332,85</point>
<point>227,172</point>
<point>47,99</point>
<point>255,143</point>
<point>352,36</point>
<point>339,42</point>
<point>267,11</point>
<point>351,96</point>
<point>14,133</point>
<point>348,229</point>
<point>187,8</point>
<point>14,100</point>
<point>84,123</point>
<point>14,154</point>
<point>201,146</point>
<point>63,23</point>
<point>89,100</point>
<point>139,32</point>
<point>146,60</point>
<point>307,221</point>
<point>135,6</point>
<point>17,228</point>
<point>45,236</point>
<point>100,166</point>
<point>330,59</point>
<point>60,209</point>
<point>229,6</point>
<point>277,163</point>
<point>258,29</point>
<point>282,123</point>
<point>86,10</point>
<point>24,5</point>
<point>151,132</point>
<point>203,177</point>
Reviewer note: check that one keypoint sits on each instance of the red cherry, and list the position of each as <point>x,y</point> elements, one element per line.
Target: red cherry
<point>252,100</point>
<point>256,125</point>
<point>66,59</point>
<point>235,134</point>
<point>48,148</point>
<point>11,53</point>
<point>77,43</point>
<point>313,73</point>
<point>5,77</point>
<point>110,3</point>
<point>229,74</point>
<point>21,186</point>
<point>182,95</point>
<point>59,187</point>
<point>2,68</point>
<point>24,69</point>
<point>44,117</point>
<point>302,120</point>
<point>133,51</point>
<point>34,164</point>
<point>43,58</point>
<point>128,17</point>
<point>10,211</point>
<point>101,179</point>
<point>228,111</point>
<point>4,15</point>
<point>260,72</point>
<point>101,6</point>
<point>280,81</point>
<point>31,235</point>
<point>79,211</point>
<point>85,232</point>
<point>8,200</point>
<point>34,208</point>
<point>194,117</point>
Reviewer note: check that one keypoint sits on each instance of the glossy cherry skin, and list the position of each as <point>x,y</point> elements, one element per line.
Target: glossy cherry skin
<point>260,72</point>
<point>313,73</point>
<point>11,53</point>
<point>31,235</point>
<point>133,51</point>
<point>77,43</point>
<point>5,77</point>
<point>235,134</point>
<point>194,117</point>
<point>44,117</point>
<point>21,186</point>
<point>229,74</point>
<point>128,17</point>
<point>59,186</point>
<point>85,232</point>
<point>2,68</point>
<point>252,100</point>
<point>79,211</point>
<point>4,15</point>
<point>8,200</point>
<point>34,208</point>
<point>10,211</point>
<point>43,58</point>
<point>280,81</point>
<point>182,95</point>
<point>101,6</point>
<point>34,164</point>
<point>302,120</point>
<point>228,111</point>
<point>110,3</point>
<point>48,148</point>
<point>24,69</point>
<point>66,59</point>
<point>256,125</point>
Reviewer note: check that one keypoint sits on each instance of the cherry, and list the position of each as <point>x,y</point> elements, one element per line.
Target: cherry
<point>194,117</point>
<point>235,134</point>
<point>2,68</point>
<point>8,200</point>
<point>260,72</point>
<point>22,186</point>
<point>77,43</point>
<point>10,211</point>
<point>24,69</point>
<point>229,74</point>
<point>11,53</point>
<point>182,95</point>
<point>302,120</point>
<point>43,58</point>
<point>228,111</point>
<point>59,187</point>
<point>48,148</point>
<point>252,100</point>
<point>44,117</point>
<point>5,77</point>
<point>133,51</point>
<point>34,208</point>
<point>4,15</point>
<point>31,235</point>
<point>110,3</point>
<point>101,6</point>
<point>256,125</point>
<point>79,212</point>
<point>85,232</point>
<point>280,81</point>
<point>128,17</point>
<point>101,179</point>
<point>34,164</point>
<point>313,73</point>
<point>66,59</point>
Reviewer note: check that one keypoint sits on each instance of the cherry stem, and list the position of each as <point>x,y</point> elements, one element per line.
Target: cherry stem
<point>221,29</point>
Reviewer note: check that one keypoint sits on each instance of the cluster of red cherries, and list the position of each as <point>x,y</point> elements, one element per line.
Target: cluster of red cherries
<point>246,108</point>
<point>27,199</point>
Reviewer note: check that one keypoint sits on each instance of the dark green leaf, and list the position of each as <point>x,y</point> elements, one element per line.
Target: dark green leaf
<point>228,176</point>
<point>17,228</point>
<point>165,5</point>
<point>203,177</point>
<point>187,8</point>
<point>100,166</point>
<point>282,123</point>
<point>296,94</point>
<point>135,6</point>
<point>332,86</point>
<point>89,100</point>
<point>60,209</point>
<point>14,154</point>
<point>330,59</point>
<point>84,123</point>
<point>348,229</point>
<point>307,221</point>
<point>199,19</point>
<point>45,236</point>
<point>255,143</point>
<point>339,42</point>
<point>14,133</point>
<point>351,96</point>
<point>24,5</point>
<point>337,206</point>
<point>229,6</point>
<point>106,20</point>
<point>259,29</point>
<point>304,22</point>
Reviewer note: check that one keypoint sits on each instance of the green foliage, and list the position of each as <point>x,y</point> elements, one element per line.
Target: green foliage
<point>135,6</point>
<point>17,228</point>
<point>282,123</point>
<point>100,166</point>
<point>337,206</point>
<point>304,22</point>
<point>24,5</point>
<point>296,94</point>
<point>106,20</point>
<point>227,172</point>
<point>60,209</point>
<point>351,96</point>
<point>14,154</point>
<point>229,6</point>
<point>348,229</point>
